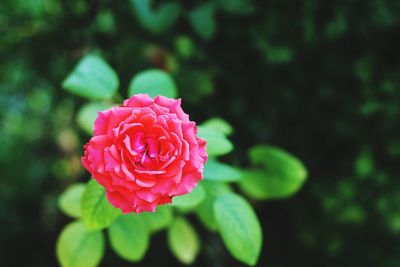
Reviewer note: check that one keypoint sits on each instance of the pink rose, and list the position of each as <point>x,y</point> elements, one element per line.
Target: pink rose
<point>145,152</point>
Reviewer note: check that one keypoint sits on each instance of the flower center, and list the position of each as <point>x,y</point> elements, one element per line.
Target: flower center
<point>148,152</point>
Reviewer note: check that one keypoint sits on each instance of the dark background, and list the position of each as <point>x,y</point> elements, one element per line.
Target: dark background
<point>317,78</point>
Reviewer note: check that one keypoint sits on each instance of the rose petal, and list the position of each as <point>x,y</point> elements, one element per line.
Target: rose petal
<point>139,100</point>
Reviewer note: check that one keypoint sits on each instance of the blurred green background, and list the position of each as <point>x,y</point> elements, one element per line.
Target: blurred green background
<point>317,78</point>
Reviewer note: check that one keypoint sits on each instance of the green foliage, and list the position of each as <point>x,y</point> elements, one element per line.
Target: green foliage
<point>97,212</point>
<point>343,64</point>
<point>281,176</point>
<point>156,21</point>
<point>191,200</point>
<point>336,27</point>
<point>88,113</point>
<point>105,22</point>
<point>92,78</point>
<point>254,183</point>
<point>217,143</point>
<point>239,227</point>
<point>275,54</point>
<point>129,237</point>
<point>220,172</point>
<point>70,200</point>
<point>364,164</point>
<point>278,161</point>
<point>205,211</point>
<point>79,247</point>
<point>183,241</point>
<point>158,220</point>
<point>236,7</point>
<point>153,82</point>
<point>184,46</point>
<point>219,124</point>
<point>197,84</point>
<point>202,19</point>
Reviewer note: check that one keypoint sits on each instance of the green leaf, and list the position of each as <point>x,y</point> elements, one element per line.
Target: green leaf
<point>236,7</point>
<point>156,21</point>
<point>79,247</point>
<point>217,143</point>
<point>70,200</point>
<point>279,54</point>
<point>220,172</point>
<point>205,210</point>
<point>88,114</point>
<point>199,82</point>
<point>219,125</point>
<point>364,164</point>
<point>337,26</point>
<point>202,19</point>
<point>239,227</point>
<point>105,22</point>
<point>254,183</point>
<point>184,46</point>
<point>282,174</point>
<point>92,78</point>
<point>190,200</point>
<point>97,212</point>
<point>153,82</point>
<point>264,185</point>
<point>274,54</point>
<point>159,219</point>
<point>183,241</point>
<point>129,237</point>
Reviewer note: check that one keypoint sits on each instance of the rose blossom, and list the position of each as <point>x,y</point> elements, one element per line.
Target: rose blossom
<point>145,152</point>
